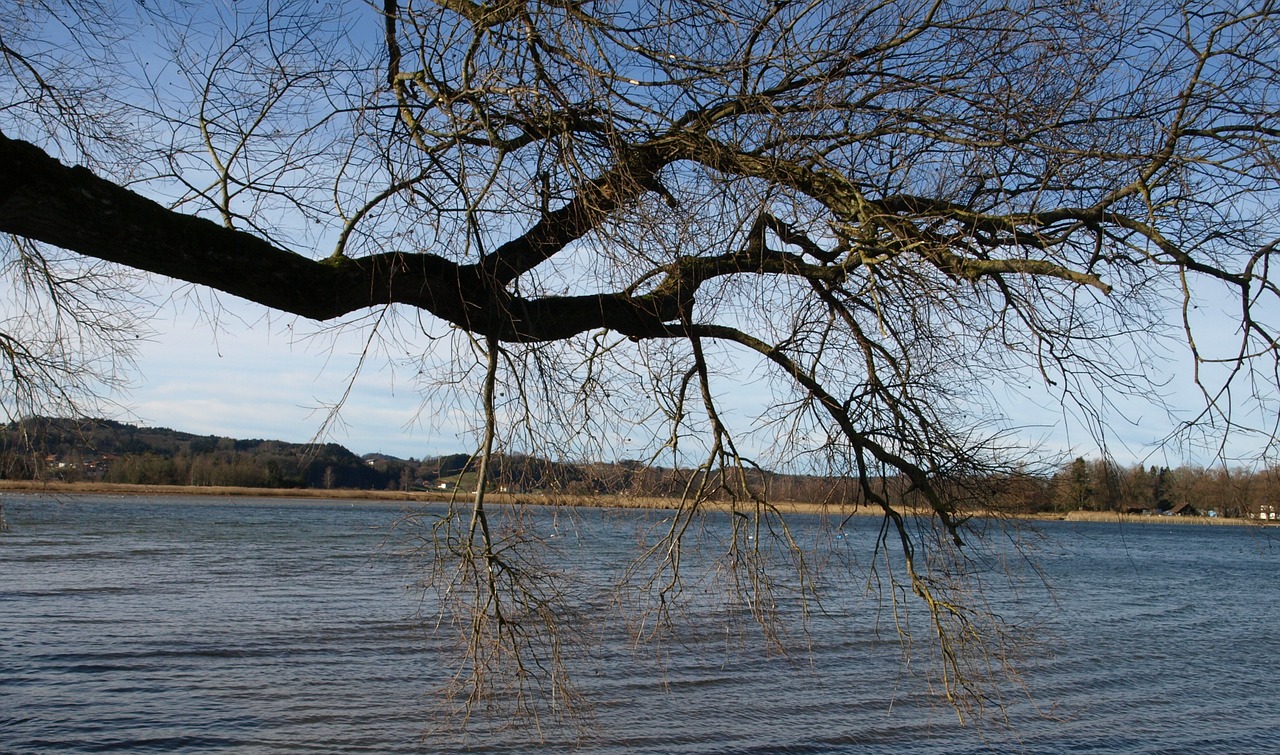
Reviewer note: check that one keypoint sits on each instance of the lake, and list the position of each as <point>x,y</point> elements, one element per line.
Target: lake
<point>248,625</point>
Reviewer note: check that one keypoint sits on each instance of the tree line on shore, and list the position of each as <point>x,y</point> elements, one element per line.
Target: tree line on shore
<point>115,452</point>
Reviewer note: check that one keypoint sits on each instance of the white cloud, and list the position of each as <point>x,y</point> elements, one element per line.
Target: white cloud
<point>254,379</point>
<point>252,375</point>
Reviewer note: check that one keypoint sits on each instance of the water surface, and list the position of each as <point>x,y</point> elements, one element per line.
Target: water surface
<point>243,625</point>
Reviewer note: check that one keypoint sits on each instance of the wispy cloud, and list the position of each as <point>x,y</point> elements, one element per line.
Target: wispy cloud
<point>253,379</point>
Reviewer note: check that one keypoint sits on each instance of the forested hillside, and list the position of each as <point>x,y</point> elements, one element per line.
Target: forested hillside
<point>108,451</point>
<point>97,450</point>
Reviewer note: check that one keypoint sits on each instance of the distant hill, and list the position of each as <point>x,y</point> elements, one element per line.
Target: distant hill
<point>110,451</point>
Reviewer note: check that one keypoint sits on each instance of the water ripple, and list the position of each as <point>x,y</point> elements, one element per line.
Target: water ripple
<point>232,626</point>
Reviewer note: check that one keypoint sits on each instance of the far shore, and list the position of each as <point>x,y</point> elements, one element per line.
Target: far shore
<point>399,496</point>
<point>541,499</point>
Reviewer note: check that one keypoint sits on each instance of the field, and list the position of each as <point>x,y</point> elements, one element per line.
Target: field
<point>538,499</point>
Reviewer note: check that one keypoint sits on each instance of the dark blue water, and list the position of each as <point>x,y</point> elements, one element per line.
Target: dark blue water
<point>221,625</point>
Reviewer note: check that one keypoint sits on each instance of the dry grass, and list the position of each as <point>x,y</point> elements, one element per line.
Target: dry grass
<point>538,499</point>
<point>427,496</point>
<point>109,488</point>
<point>1112,516</point>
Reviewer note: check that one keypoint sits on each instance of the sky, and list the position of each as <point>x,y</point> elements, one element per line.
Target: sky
<point>257,375</point>
<point>254,377</point>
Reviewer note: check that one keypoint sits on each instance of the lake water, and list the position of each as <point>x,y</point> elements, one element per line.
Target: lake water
<point>246,626</point>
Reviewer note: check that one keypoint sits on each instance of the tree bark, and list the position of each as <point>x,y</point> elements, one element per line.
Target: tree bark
<point>71,208</point>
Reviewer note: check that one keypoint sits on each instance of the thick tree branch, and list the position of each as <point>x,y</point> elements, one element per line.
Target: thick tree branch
<point>44,200</point>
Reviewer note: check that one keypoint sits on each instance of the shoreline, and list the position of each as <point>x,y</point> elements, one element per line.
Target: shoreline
<point>537,499</point>
<point>398,496</point>
<point>1118,518</point>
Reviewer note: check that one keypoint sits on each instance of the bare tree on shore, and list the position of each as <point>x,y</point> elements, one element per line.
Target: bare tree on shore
<point>599,216</point>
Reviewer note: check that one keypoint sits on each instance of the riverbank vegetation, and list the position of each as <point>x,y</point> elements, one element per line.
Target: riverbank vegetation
<point>109,452</point>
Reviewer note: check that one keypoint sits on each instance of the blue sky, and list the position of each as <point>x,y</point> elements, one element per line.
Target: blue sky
<point>264,375</point>
<point>253,378</point>
<point>254,375</point>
